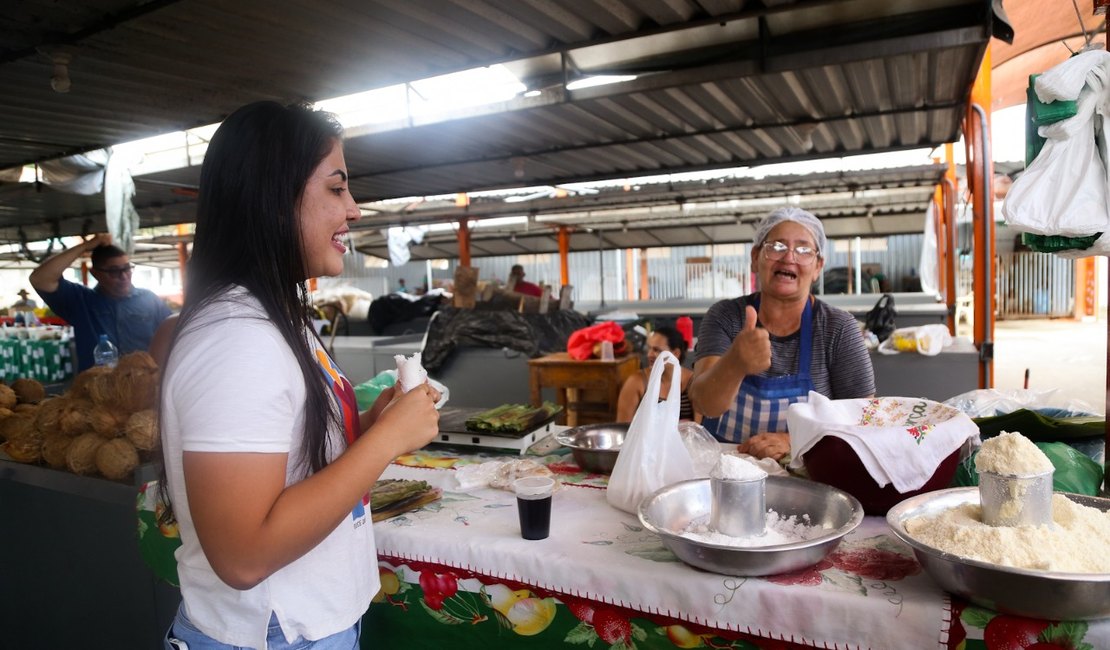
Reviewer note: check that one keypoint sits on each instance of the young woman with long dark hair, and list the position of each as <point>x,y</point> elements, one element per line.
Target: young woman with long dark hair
<point>268,462</point>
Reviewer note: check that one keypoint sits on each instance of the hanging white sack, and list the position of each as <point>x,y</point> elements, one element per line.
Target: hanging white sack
<point>1063,191</point>
<point>653,454</point>
<point>1067,80</point>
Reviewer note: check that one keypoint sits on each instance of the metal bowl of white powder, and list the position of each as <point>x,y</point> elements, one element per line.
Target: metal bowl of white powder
<point>805,522</point>
<point>950,518</point>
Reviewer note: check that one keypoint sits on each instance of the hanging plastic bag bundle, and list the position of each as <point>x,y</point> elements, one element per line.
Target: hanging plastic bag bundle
<point>653,454</point>
<point>1063,191</point>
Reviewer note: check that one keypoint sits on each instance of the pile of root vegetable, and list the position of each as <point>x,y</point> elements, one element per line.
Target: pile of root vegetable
<point>104,424</point>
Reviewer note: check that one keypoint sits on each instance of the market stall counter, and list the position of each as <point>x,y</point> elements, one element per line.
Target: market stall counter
<point>456,573</point>
<point>952,372</point>
<point>72,575</point>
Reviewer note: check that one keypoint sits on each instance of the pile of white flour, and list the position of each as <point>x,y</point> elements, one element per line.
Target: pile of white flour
<point>778,529</point>
<point>1012,454</point>
<point>736,469</point>
<point>1077,542</point>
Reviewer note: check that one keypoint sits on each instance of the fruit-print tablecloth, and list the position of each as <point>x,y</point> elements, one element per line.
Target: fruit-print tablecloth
<point>460,564</point>
<point>456,574</point>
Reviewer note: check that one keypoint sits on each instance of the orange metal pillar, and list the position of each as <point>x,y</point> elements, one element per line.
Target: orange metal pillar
<point>950,184</point>
<point>564,251</point>
<point>464,242</point>
<point>1086,288</point>
<point>182,253</point>
<point>645,283</point>
<point>980,173</point>
<point>629,273</point>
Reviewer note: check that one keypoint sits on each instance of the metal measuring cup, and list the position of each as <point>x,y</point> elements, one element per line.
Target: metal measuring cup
<point>1016,500</point>
<point>739,506</point>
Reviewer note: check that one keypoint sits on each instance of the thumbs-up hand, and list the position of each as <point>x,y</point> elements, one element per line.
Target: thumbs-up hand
<point>753,345</point>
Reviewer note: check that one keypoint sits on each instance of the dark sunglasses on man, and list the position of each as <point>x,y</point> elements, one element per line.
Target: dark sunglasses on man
<point>117,271</point>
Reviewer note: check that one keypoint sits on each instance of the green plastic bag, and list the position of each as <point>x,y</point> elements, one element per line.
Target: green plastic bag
<point>367,392</point>
<point>1075,471</point>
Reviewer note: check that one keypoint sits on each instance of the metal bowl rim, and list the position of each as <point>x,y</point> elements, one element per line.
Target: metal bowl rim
<point>896,516</point>
<point>854,522</point>
<point>567,437</point>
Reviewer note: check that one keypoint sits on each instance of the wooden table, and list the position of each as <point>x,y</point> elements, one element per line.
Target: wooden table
<point>571,378</point>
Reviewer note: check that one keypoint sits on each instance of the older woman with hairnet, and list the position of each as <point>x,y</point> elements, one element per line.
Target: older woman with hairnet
<point>760,353</point>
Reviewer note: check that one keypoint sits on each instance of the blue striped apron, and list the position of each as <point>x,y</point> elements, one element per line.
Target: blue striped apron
<point>761,402</point>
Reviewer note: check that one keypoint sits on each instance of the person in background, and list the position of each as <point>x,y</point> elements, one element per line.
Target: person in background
<point>127,314</point>
<point>25,303</point>
<point>518,284</point>
<point>268,463</point>
<point>760,353</point>
<point>401,288</point>
<point>663,339</point>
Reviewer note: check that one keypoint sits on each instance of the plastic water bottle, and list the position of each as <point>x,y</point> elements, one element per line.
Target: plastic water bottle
<point>105,353</point>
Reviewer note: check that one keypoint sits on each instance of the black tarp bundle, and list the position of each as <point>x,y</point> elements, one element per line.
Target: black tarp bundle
<point>532,334</point>
<point>393,308</point>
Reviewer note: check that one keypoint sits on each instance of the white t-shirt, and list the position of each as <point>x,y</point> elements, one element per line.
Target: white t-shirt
<point>233,385</point>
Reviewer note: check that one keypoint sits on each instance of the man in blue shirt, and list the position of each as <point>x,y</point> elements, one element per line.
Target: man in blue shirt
<point>129,316</point>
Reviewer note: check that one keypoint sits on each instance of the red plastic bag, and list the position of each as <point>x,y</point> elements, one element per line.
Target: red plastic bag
<point>580,345</point>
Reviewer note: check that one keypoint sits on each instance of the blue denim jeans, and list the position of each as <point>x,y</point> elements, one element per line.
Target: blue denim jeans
<point>183,635</point>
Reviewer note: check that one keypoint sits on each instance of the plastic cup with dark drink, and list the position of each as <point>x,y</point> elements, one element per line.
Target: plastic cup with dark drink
<point>533,504</point>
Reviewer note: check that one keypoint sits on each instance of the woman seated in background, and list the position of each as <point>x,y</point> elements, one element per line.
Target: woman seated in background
<point>663,339</point>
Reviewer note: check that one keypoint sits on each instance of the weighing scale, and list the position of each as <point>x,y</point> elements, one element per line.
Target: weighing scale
<point>452,431</point>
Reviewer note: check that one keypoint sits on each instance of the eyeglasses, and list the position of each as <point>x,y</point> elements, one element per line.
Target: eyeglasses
<point>117,271</point>
<point>776,250</point>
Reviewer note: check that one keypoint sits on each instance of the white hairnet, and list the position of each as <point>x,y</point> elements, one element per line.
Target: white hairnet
<point>797,215</point>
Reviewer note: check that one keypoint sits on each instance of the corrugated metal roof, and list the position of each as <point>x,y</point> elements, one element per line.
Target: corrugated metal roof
<point>721,83</point>
<point>858,203</point>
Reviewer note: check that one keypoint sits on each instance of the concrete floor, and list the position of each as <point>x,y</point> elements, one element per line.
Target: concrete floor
<point>1064,354</point>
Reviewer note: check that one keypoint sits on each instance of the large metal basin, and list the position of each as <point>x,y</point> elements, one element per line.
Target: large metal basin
<point>1022,592</point>
<point>676,506</point>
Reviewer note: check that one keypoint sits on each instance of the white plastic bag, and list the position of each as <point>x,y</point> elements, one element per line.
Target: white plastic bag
<point>704,449</point>
<point>923,339</point>
<point>653,454</point>
<point>1064,190</point>
<point>1066,80</point>
<point>1052,402</point>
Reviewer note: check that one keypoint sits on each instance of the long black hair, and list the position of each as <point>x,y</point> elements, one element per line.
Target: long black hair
<point>247,234</point>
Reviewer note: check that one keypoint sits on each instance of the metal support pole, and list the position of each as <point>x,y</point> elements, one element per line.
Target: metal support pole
<point>464,242</point>
<point>985,213</point>
<point>601,263</point>
<point>953,259</point>
<point>564,253</point>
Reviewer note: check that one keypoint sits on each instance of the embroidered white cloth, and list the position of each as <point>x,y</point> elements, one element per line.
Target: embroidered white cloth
<point>900,440</point>
<point>870,593</point>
